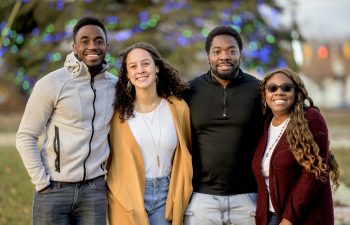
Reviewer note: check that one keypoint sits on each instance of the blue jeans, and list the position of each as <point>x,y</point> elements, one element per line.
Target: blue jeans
<point>80,203</point>
<point>155,199</point>
<point>205,209</point>
<point>272,219</point>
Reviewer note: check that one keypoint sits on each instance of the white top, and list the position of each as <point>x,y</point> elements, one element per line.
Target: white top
<point>274,135</point>
<point>156,136</point>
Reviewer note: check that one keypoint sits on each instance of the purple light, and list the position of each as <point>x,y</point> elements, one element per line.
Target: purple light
<point>112,19</point>
<point>226,22</point>
<point>136,29</point>
<point>143,16</point>
<point>226,13</point>
<point>47,38</point>
<point>35,31</point>
<point>182,41</point>
<point>123,35</point>
<point>59,5</point>
<point>180,5</point>
<point>235,5</point>
<point>48,56</point>
<point>56,38</point>
<point>282,63</point>
<point>246,16</point>
<point>264,55</point>
<point>2,25</point>
<point>172,5</point>
<point>198,21</point>
<point>2,52</point>
<point>25,1</point>
<point>250,54</point>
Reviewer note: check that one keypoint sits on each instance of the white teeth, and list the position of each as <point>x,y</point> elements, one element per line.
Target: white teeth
<point>278,101</point>
<point>92,56</point>
<point>224,66</point>
<point>141,78</point>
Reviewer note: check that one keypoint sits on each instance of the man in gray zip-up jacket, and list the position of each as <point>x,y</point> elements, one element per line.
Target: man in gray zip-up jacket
<point>73,107</point>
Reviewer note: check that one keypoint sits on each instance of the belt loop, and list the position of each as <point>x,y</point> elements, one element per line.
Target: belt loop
<point>58,184</point>
<point>92,182</point>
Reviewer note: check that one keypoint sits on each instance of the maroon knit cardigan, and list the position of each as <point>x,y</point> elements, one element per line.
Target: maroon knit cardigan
<point>295,194</point>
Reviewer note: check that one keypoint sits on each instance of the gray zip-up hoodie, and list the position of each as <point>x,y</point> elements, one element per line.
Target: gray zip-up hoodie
<point>74,112</point>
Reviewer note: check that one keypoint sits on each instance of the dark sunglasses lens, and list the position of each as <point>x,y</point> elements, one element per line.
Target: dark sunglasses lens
<point>272,88</point>
<point>286,87</point>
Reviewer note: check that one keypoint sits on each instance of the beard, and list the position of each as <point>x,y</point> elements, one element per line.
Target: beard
<point>94,70</point>
<point>229,75</point>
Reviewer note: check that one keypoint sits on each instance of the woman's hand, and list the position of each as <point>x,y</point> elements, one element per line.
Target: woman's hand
<point>285,222</point>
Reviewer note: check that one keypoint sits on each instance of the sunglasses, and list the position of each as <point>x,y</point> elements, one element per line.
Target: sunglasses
<point>286,87</point>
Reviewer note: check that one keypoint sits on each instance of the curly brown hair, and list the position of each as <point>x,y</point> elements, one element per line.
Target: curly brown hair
<point>299,136</point>
<point>169,81</point>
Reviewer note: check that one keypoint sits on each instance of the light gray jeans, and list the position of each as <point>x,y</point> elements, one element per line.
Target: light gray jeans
<point>205,209</point>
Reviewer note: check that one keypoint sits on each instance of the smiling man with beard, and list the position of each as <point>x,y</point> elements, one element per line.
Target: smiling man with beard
<point>73,107</point>
<point>226,122</point>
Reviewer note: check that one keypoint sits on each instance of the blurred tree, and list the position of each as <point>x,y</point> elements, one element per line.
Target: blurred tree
<point>41,35</point>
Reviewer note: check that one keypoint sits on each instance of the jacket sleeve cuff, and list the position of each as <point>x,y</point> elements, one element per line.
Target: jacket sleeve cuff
<point>288,216</point>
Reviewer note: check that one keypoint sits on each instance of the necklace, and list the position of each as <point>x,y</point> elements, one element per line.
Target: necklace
<point>149,116</point>
<point>156,147</point>
<point>149,119</point>
<point>267,152</point>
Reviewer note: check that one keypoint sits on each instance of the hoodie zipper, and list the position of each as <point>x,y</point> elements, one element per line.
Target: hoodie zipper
<point>224,109</point>
<point>92,126</point>
<point>57,149</point>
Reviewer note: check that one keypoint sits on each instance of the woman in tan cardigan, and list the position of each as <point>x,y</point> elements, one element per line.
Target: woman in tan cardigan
<point>150,168</point>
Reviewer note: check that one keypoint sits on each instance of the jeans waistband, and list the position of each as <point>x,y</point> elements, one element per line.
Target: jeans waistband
<point>62,184</point>
<point>158,181</point>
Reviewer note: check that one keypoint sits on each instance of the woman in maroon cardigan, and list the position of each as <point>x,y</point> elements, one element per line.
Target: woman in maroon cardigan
<point>292,163</point>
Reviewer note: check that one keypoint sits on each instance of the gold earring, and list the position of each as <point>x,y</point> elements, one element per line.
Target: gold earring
<point>129,86</point>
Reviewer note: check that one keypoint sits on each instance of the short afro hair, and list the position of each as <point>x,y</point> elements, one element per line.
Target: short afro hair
<point>222,30</point>
<point>88,21</point>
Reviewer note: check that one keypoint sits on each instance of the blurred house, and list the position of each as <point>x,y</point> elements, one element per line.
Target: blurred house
<point>325,68</point>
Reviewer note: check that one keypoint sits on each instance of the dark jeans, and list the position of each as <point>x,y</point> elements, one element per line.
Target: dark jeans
<point>80,203</point>
<point>272,219</point>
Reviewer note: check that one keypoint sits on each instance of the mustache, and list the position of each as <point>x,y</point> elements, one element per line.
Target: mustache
<point>93,51</point>
<point>225,63</point>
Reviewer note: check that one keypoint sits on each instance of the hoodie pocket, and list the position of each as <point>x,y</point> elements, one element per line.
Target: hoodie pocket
<point>56,148</point>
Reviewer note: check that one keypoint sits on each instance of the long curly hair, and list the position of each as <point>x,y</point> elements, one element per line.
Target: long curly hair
<point>169,81</point>
<point>299,136</point>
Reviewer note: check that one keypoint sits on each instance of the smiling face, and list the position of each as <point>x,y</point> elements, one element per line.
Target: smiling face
<point>224,57</point>
<point>281,99</point>
<point>90,45</point>
<point>141,69</point>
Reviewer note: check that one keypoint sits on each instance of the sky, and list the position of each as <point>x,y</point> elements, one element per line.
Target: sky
<point>323,20</point>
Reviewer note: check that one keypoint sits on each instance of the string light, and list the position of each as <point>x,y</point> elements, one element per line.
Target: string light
<point>322,52</point>
<point>259,39</point>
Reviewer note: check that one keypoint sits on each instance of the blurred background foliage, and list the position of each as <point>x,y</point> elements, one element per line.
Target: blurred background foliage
<point>40,36</point>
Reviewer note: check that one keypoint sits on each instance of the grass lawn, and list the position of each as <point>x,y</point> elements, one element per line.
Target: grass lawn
<point>343,157</point>
<point>16,190</point>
